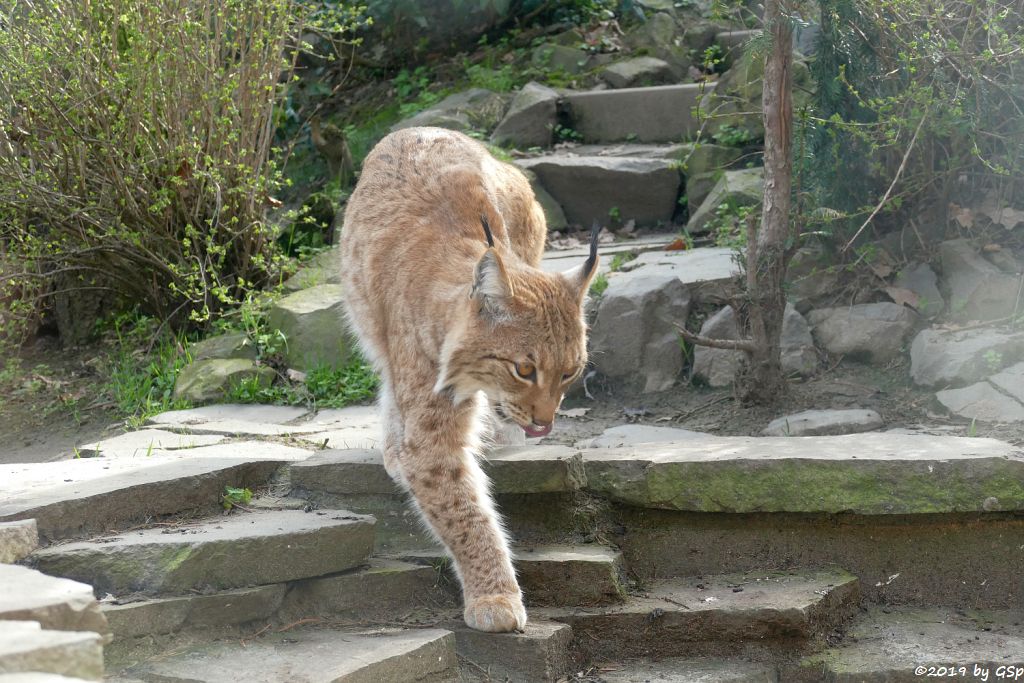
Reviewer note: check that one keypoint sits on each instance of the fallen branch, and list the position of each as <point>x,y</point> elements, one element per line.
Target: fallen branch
<point>730,344</point>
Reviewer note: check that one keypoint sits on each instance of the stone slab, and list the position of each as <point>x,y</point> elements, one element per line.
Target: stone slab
<point>75,497</point>
<point>25,646</point>
<point>169,615</point>
<point>377,592</point>
<point>145,442</point>
<point>297,656</point>
<point>654,114</point>
<point>352,427</point>
<point>535,469</point>
<point>249,449</point>
<point>18,540</point>
<point>785,609</point>
<point>561,575</point>
<point>824,423</point>
<point>540,654</point>
<point>870,474</point>
<point>36,677</point>
<point>709,272</point>
<point>344,472</point>
<point>1010,381</point>
<point>633,434</point>
<point>55,603</point>
<point>982,401</point>
<point>891,645</point>
<point>691,670</point>
<point>228,552</point>
<point>941,357</point>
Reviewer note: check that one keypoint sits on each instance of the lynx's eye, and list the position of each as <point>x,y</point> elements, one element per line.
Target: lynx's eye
<point>570,376</point>
<point>527,371</point>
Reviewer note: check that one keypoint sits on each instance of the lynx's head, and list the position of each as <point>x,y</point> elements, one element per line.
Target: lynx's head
<point>524,340</point>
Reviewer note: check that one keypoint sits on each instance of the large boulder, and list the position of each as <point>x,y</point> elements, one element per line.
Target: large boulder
<point>232,345</point>
<point>208,380</point>
<point>634,338</point>
<point>313,327</point>
<point>661,38</point>
<point>718,367</point>
<point>978,290</point>
<point>824,423</point>
<point>531,118</point>
<point>637,71</point>
<point>940,357</point>
<point>872,332</point>
<point>734,189</point>
<point>554,215</point>
<point>471,109</point>
<point>921,280</point>
<point>663,113</point>
<point>322,269</point>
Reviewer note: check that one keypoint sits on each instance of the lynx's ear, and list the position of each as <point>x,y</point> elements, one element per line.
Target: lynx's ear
<point>581,275</point>
<point>491,284</point>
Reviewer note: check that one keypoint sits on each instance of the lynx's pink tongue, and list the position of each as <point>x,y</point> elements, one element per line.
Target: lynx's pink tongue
<point>535,431</point>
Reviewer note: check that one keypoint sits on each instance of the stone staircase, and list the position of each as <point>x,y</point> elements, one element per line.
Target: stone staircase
<point>691,558</point>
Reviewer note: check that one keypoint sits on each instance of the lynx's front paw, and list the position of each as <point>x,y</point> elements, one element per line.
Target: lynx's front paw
<point>496,613</point>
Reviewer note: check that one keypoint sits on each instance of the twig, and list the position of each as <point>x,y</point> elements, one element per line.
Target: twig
<point>300,622</point>
<point>730,344</point>
<point>896,178</point>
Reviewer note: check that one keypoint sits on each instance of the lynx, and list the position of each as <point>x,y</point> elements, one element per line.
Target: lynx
<point>439,258</point>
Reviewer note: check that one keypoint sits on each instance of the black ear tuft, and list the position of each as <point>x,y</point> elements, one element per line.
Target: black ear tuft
<point>487,230</point>
<point>595,232</point>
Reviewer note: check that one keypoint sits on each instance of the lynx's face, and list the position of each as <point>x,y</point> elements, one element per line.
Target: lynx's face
<point>525,342</point>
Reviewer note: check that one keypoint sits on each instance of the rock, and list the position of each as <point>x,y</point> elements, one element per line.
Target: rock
<point>734,189</point>
<point>576,576</point>
<point>868,474</point>
<point>320,656</point>
<point>570,60</point>
<point>97,494</point>
<point>656,114</point>
<point>709,273</point>
<point>1005,260</point>
<point>554,215</point>
<point>637,71</point>
<point>344,472</point>
<point>472,109</point>
<point>312,323</point>
<point>234,345</point>
<point>17,540</point>
<point>350,427</point>
<point>539,653</point>
<point>810,276</point>
<point>872,332</point>
<point>824,423</point>
<point>633,434</point>
<point>56,603</point>
<point>920,279</point>
<point>693,670</point>
<point>211,380</point>
<point>535,469</point>
<point>734,43</point>
<point>36,677</point>
<point>939,357</point>
<point>772,608</point>
<point>702,158</point>
<point>659,37</point>
<point>226,552</point>
<point>26,647</point>
<point>159,616</point>
<point>634,338</point>
<point>322,269</point>
<point>981,401</point>
<point>144,443</point>
<point>698,187</point>
<point>592,188</point>
<point>977,289</point>
<point>1010,381</point>
<point>237,420</point>
<point>718,367</point>
<point>531,118</point>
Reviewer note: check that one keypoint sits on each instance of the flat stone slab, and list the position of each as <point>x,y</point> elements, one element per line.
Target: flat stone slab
<point>168,615</point>
<point>539,654</point>
<point>344,472</point>
<point>691,670</point>
<point>55,603</point>
<point>824,423</point>
<point>708,272</point>
<point>17,540</point>
<point>890,647</point>
<point>654,114</point>
<point>866,474</point>
<point>145,442</point>
<point>558,575</point>
<point>352,427</point>
<point>226,552</point>
<point>561,260</point>
<point>784,608</point>
<point>36,677</point>
<point>26,646</point>
<point>90,495</point>
<point>633,434</point>
<point>236,420</point>
<point>297,656</point>
<point>982,401</point>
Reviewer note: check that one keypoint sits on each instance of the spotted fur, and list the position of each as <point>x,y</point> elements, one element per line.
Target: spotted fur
<point>455,328</point>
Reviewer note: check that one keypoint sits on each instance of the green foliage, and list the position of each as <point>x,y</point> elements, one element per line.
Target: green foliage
<point>732,136</point>
<point>322,387</point>
<point>136,149</point>
<point>729,224</point>
<point>598,285</point>
<point>567,134</point>
<point>620,259</point>
<point>234,497</point>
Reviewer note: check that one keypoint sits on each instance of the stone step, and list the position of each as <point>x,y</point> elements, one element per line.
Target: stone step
<point>313,656</point>
<point>606,189</point>
<point>904,645</point>
<point>556,575</point>
<point>652,114</point>
<point>25,647</point>
<point>540,654</point>
<point>36,677</point>
<point>689,670</point>
<point>714,614</point>
<point>561,260</point>
<point>17,540</point>
<point>93,495</point>
<point>867,474</point>
<point>232,551</point>
<point>55,603</point>
<point>709,273</point>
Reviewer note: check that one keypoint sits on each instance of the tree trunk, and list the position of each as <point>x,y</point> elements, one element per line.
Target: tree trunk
<point>764,381</point>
